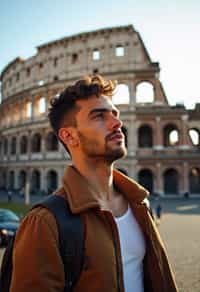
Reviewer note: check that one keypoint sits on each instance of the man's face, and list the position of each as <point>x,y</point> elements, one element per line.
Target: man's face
<point>99,129</point>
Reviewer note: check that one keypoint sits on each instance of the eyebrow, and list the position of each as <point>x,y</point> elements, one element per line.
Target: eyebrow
<point>103,110</point>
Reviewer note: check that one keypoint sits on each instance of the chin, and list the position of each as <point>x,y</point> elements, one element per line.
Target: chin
<point>115,154</point>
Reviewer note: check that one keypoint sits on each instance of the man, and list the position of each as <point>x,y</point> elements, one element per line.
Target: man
<point>123,250</point>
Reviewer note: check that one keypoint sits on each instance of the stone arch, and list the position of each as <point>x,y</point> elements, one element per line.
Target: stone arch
<point>52,181</point>
<point>194,180</point>
<point>51,142</point>
<point>23,144</point>
<point>121,94</point>
<point>36,142</point>
<point>146,179</point>
<point>35,181</point>
<point>194,135</point>
<point>13,145</point>
<point>144,92</point>
<point>22,179</point>
<point>171,135</point>
<point>145,136</point>
<point>171,181</point>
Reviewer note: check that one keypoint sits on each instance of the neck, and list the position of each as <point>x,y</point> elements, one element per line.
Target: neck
<point>99,176</point>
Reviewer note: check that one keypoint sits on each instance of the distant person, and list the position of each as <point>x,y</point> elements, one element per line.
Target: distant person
<point>123,250</point>
<point>159,211</point>
<point>9,196</point>
<point>186,195</point>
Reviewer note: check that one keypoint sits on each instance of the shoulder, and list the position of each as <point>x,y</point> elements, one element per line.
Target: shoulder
<point>39,221</point>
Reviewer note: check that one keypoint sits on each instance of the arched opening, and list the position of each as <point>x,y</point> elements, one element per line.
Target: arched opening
<point>96,55</point>
<point>51,142</point>
<point>5,146</point>
<point>119,51</point>
<point>144,92</point>
<point>23,145</point>
<point>145,136</point>
<point>125,132</point>
<point>13,146</point>
<point>11,182</point>
<point>145,178</point>
<point>171,136</point>
<point>28,113</point>
<point>52,181</point>
<point>74,58</point>
<point>35,181</point>
<point>22,179</point>
<point>121,94</point>
<point>42,105</point>
<point>36,143</point>
<point>2,179</point>
<point>171,182</point>
<point>195,136</point>
<point>194,180</point>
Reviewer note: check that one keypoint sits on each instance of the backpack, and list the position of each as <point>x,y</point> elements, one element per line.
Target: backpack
<point>71,251</point>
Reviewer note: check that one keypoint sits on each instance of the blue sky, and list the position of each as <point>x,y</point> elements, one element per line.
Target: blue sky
<point>170,30</point>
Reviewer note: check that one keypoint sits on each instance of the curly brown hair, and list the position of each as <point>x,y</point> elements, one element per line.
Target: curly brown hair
<point>63,108</point>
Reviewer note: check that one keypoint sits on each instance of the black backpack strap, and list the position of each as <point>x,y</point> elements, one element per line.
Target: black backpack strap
<point>71,237</point>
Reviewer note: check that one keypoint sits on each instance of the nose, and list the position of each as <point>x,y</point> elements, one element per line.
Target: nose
<point>116,123</point>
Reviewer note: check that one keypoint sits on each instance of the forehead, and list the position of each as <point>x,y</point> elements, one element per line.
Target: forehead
<point>92,103</point>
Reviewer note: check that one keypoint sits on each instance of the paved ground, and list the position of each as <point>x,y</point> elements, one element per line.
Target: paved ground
<point>179,228</point>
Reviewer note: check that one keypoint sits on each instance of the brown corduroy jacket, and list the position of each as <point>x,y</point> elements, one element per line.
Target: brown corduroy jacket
<point>37,265</point>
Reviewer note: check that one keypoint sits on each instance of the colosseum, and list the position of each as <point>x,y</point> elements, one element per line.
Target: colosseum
<point>163,141</point>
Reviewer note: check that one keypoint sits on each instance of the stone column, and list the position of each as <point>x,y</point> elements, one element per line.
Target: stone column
<point>15,179</point>
<point>132,93</point>
<point>132,136</point>
<point>60,172</point>
<point>43,183</point>
<point>185,177</point>
<point>159,180</point>
<point>33,107</point>
<point>29,145</point>
<point>27,186</point>
<point>9,148</point>
<point>158,138</point>
<point>184,133</point>
<point>43,144</point>
<point>17,147</point>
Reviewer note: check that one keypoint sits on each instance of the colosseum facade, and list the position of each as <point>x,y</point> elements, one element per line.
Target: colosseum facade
<point>163,141</point>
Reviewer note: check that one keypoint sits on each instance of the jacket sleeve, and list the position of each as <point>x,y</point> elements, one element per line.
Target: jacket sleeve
<point>37,265</point>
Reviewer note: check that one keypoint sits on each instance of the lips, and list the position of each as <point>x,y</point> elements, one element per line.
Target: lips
<point>116,136</point>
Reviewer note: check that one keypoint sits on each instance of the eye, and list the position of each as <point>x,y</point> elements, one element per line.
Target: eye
<point>99,116</point>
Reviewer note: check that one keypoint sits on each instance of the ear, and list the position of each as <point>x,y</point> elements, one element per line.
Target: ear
<point>67,136</point>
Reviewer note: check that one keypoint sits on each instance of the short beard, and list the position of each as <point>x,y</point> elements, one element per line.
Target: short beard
<point>108,155</point>
<point>113,155</point>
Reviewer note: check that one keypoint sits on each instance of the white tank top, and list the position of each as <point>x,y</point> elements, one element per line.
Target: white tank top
<point>133,250</point>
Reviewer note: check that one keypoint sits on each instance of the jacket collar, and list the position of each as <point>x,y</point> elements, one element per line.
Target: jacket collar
<point>81,196</point>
